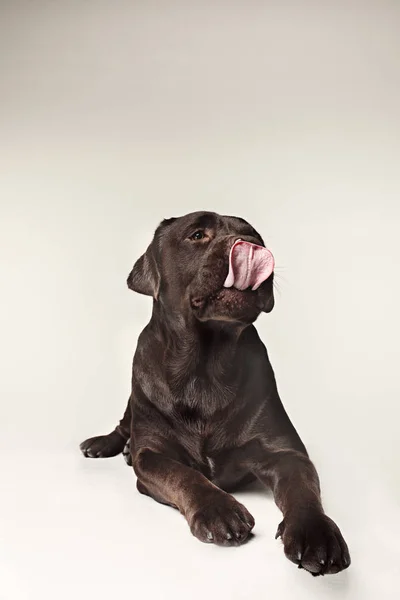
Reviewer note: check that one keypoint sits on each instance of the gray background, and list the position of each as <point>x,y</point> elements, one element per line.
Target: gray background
<point>115,115</point>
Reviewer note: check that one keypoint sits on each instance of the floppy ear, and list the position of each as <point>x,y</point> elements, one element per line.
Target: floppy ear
<point>145,277</point>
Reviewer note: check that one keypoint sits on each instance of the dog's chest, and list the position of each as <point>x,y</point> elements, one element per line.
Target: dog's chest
<point>203,396</point>
<point>208,449</point>
<point>211,466</point>
<point>202,436</point>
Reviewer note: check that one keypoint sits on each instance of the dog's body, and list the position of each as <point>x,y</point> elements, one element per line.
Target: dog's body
<point>204,416</point>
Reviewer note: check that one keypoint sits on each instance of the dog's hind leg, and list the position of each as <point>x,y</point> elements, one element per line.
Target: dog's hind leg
<point>104,446</point>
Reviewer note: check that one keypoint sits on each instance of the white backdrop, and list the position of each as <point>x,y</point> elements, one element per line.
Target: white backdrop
<point>115,115</point>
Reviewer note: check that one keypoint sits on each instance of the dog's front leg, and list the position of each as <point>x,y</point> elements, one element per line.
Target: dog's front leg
<point>213,515</point>
<point>311,539</point>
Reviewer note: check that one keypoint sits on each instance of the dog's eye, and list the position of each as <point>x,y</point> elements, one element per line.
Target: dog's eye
<point>197,235</point>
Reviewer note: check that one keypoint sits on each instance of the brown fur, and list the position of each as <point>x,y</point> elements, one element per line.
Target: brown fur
<point>204,416</point>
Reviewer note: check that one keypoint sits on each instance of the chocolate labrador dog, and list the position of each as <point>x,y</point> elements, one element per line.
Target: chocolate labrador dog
<point>204,416</point>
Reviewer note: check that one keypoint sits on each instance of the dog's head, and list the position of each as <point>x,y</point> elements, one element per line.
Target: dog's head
<point>196,264</point>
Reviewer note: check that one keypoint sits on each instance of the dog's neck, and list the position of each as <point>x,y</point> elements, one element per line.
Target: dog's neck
<point>193,350</point>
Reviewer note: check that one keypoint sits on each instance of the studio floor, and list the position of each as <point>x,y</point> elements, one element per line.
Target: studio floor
<point>77,528</point>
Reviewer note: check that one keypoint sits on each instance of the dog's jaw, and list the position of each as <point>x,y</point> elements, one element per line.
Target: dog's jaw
<point>228,304</point>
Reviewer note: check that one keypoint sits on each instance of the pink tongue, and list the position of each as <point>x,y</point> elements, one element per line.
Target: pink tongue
<point>249,265</point>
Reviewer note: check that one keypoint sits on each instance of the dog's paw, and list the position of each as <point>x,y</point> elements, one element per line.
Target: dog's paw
<point>103,446</point>
<point>126,452</point>
<point>314,542</point>
<point>223,521</point>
